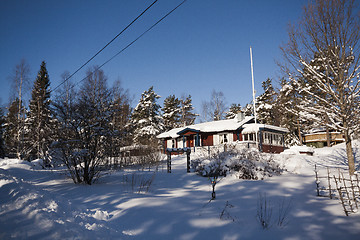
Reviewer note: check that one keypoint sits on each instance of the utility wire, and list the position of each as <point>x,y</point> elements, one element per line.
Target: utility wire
<point>105,45</point>
<point>131,43</point>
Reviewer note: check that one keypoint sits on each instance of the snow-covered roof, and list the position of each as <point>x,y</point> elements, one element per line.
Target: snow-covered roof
<point>215,126</point>
<point>171,134</point>
<point>255,127</point>
<point>223,126</point>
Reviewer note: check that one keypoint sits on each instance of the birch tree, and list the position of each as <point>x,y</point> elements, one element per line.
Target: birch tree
<point>215,109</point>
<point>85,128</point>
<point>20,82</point>
<point>323,60</point>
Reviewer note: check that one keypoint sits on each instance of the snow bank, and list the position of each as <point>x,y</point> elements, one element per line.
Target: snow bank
<point>29,212</point>
<point>296,150</point>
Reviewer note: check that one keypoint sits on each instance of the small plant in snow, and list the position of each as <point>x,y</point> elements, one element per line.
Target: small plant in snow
<point>225,215</point>
<point>138,183</point>
<point>264,211</point>
<point>283,212</point>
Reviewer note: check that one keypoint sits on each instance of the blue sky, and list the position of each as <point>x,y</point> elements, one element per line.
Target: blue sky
<point>203,45</point>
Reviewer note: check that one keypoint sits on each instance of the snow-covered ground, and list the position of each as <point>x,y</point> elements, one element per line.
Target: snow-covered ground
<point>44,204</point>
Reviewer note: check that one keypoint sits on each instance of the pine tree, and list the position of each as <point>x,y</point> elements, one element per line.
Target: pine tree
<point>171,112</point>
<point>2,143</point>
<point>265,104</point>
<point>39,123</point>
<point>233,111</point>
<point>249,109</point>
<point>187,111</point>
<point>289,115</point>
<point>146,119</point>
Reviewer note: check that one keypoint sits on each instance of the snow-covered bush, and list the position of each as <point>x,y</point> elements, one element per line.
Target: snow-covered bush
<point>244,163</point>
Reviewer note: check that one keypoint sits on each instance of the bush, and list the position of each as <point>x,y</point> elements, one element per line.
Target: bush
<point>245,163</point>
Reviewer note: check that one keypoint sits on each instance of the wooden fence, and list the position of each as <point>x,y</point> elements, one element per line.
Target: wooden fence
<point>336,184</point>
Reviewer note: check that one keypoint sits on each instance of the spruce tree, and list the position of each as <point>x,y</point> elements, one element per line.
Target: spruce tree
<point>39,123</point>
<point>171,112</point>
<point>146,119</point>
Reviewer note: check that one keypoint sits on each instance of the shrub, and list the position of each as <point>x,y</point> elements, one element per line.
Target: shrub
<point>245,163</point>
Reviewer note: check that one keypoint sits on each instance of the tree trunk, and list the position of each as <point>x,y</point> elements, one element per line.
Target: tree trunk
<point>349,152</point>
<point>328,137</point>
<point>18,122</point>
<point>299,132</point>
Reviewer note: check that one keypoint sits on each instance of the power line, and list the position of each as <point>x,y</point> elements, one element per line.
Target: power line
<point>131,43</point>
<point>105,45</point>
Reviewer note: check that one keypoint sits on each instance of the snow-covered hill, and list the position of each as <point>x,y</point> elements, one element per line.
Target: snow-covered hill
<point>44,204</point>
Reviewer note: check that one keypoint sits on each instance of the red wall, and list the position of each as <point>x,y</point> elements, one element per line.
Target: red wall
<point>235,137</point>
<point>272,149</point>
<point>207,139</point>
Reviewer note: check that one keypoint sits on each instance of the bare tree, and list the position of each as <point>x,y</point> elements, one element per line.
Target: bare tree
<point>20,83</point>
<point>215,109</point>
<point>324,62</point>
<point>121,115</point>
<point>64,106</point>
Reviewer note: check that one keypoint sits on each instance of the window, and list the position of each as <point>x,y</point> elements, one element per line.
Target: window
<point>251,137</point>
<point>225,138</point>
<point>273,139</point>
<point>266,138</point>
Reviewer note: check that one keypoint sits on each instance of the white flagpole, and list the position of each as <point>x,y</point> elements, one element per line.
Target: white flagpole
<point>253,85</point>
<point>253,92</point>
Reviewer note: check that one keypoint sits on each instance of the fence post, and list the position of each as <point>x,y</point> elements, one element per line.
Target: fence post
<point>347,193</point>
<point>168,161</point>
<point>328,171</point>
<point>353,191</point>
<point>188,160</point>
<point>341,197</point>
<point>317,181</point>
